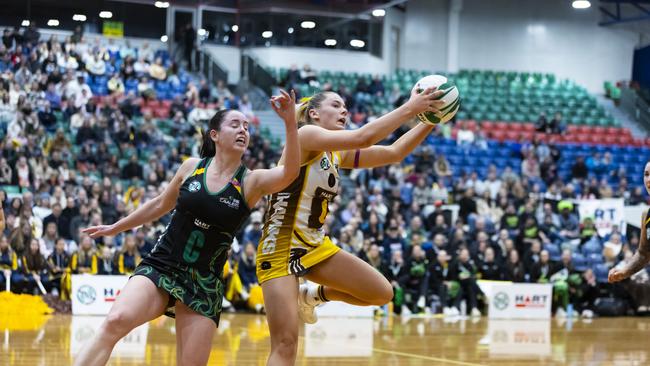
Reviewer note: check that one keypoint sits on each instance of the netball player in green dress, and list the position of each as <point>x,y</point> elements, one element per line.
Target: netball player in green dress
<point>211,198</point>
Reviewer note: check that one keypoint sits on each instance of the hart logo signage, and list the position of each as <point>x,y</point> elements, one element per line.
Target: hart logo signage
<point>94,295</point>
<point>531,301</point>
<point>519,300</point>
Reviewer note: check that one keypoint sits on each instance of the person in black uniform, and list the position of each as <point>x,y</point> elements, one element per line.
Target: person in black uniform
<point>181,277</point>
<point>642,255</point>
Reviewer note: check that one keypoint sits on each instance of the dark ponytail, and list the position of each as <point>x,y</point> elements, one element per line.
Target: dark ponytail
<point>207,145</point>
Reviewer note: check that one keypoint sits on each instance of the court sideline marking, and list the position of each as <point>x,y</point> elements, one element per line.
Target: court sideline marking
<point>427,358</point>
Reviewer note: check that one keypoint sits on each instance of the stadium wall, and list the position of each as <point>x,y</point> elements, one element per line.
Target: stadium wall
<point>526,35</point>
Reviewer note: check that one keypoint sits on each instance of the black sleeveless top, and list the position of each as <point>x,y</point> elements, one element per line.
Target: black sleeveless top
<point>203,223</point>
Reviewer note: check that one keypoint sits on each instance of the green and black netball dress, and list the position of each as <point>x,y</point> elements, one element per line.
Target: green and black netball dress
<point>187,261</point>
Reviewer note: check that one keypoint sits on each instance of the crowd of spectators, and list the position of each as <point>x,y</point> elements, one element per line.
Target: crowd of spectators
<point>69,160</point>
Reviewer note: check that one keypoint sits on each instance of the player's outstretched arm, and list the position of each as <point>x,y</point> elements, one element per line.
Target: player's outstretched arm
<point>150,210</point>
<point>379,155</point>
<point>639,260</point>
<point>315,138</point>
<point>261,182</point>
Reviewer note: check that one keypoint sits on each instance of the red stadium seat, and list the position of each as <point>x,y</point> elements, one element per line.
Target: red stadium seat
<point>487,125</point>
<point>527,126</point>
<point>598,130</point>
<point>501,126</point>
<point>572,129</point>
<point>471,125</point>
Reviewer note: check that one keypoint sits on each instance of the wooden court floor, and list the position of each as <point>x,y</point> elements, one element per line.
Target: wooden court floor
<point>244,340</point>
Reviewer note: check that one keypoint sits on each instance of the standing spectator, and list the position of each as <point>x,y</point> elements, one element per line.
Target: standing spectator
<point>189,43</point>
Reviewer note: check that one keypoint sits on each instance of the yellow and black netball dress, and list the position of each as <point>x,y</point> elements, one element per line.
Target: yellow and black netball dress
<point>188,259</point>
<point>293,239</point>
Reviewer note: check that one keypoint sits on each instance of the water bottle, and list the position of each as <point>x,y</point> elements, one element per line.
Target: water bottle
<point>569,311</point>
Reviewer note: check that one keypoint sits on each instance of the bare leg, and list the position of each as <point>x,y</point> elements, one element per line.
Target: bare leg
<point>140,301</point>
<point>194,333</point>
<point>281,303</point>
<point>349,279</point>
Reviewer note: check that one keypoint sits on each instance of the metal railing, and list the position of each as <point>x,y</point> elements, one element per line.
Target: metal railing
<point>210,68</point>
<point>636,106</point>
<point>254,73</point>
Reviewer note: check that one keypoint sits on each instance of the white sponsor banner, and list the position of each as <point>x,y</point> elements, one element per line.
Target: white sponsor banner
<point>520,301</point>
<point>84,328</point>
<point>605,212</point>
<point>519,338</point>
<point>95,294</point>
<point>339,337</point>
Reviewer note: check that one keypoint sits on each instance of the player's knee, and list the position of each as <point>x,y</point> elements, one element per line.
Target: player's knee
<point>287,345</point>
<point>382,294</point>
<point>117,323</point>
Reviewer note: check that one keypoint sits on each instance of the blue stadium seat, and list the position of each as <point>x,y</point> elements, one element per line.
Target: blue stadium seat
<point>554,252</point>
<point>595,258</point>
<point>591,248</point>
<point>579,262</point>
<point>601,271</point>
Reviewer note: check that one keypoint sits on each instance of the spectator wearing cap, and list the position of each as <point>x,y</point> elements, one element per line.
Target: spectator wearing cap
<point>393,242</point>
<point>569,224</point>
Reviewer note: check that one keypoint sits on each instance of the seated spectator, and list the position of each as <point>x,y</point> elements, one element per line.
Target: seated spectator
<point>465,137</point>
<point>489,268</point>
<point>96,66</point>
<point>569,227</point>
<point>35,269</point>
<point>416,281</point>
<point>443,285</point>
<point>115,85</point>
<point>8,263</point>
<point>129,257</point>
<point>465,270</point>
<point>85,259</point>
<point>59,265</point>
<point>252,292</point>
<point>542,270</point>
<point>515,271</point>
<point>564,278</point>
<point>394,272</point>
<point>442,167</point>
<point>157,70</point>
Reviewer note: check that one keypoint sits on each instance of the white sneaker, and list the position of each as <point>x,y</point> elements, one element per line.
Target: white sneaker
<point>587,314</point>
<point>306,307</point>
<point>560,313</point>
<point>454,311</point>
<point>476,313</point>
<point>446,311</point>
<point>406,311</point>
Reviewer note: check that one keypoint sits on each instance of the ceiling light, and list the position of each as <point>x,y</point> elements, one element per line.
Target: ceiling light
<point>53,23</point>
<point>330,42</point>
<point>79,18</point>
<point>163,39</point>
<point>235,28</point>
<point>290,30</point>
<point>581,4</point>
<point>308,24</point>
<point>357,43</point>
<point>25,23</point>
<point>267,34</point>
<point>105,14</point>
<point>202,32</point>
<point>378,12</point>
<point>161,4</point>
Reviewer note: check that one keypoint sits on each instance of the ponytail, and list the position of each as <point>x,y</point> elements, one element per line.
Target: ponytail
<point>207,145</point>
<point>308,103</point>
